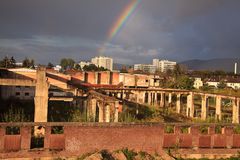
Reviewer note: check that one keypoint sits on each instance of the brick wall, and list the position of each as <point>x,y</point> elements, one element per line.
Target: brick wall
<point>79,138</point>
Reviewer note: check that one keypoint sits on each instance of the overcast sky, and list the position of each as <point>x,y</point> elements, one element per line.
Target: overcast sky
<point>48,30</point>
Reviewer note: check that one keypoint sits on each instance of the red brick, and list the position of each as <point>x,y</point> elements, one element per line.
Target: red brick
<point>169,140</point>
<point>12,142</point>
<point>57,141</point>
<point>185,140</point>
<point>236,140</point>
<point>204,141</point>
<point>219,141</point>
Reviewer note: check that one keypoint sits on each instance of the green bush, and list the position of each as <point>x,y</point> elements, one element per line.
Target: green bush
<point>236,129</point>
<point>14,115</point>
<point>203,129</point>
<point>169,129</point>
<point>218,129</point>
<point>185,129</point>
<point>130,154</point>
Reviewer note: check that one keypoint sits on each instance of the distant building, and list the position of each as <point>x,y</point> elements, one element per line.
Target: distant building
<point>145,68</point>
<point>84,63</point>
<point>198,83</point>
<point>19,64</point>
<point>57,68</point>
<point>105,62</point>
<point>17,92</point>
<point>164,65</point>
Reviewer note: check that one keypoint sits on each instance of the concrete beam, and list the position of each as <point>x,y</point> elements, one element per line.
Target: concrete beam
<point>149,98</point>
<point>204,108</point>
<point>41,96</point>
<point>100,116</point>
<point>16,82</point>
<point>178,103</point>
<point>190,105</point>
<point>162,101</point>
<point>65,99</point>
<point>218,113</point>
<point>116,106</point>
<point>170,98</point>
<point>107,113</point>
<point>235,111</point>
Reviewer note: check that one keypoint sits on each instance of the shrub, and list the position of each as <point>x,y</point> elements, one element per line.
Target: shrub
<point>130,154</point>
<point>169,129</point>
<point>14,115</point>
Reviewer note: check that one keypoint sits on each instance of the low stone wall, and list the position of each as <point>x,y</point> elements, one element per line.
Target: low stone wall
<point>79,138</point>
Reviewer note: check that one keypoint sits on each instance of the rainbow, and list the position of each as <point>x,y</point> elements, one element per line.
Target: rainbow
<point>121,21</point>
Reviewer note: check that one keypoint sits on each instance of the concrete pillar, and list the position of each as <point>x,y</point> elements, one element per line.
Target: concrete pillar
<point>155,99</point>
<point>204,108</point>
<point>41,96</point>
<point>162,102</point>
<point>218,114</point>
<point>149,98</point>
<point>137,96</point>
<point>190,105</point>
<point>107,113</point>
<point>170,98</point>
<point>144,94</point>
<point>178,103</point>
<point>100,116</point>
<point>119,95</point>
<point>96,78</point>
<point>116,106</point>
<point>93,110</point>
<point>235,111</point>
<point>124,95</point>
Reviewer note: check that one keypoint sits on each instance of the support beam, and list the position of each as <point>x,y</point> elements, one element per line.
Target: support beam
<point>155,99</point>
<point>162,101</point>
<point>116,107</point>
<point>100,116</point>
<point>144,95</point>
<point>235,111</point>
<point>149,98</point>
<point>218,114</point>
<point>16,82</point>
<point>41,96</point>
<point>170,98</point>
<point>107,113</point>
<point>190,105</point>
<point>204,108</point>
<point>92,116</point>
<point>178,103</point>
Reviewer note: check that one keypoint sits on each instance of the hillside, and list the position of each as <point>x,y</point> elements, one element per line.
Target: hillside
<point>226,64</point>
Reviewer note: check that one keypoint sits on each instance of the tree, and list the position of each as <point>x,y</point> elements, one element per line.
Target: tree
<point>50,65</point>
<point>93,67</point>
<point>28,63</point>
<point>222,84</point>
<point>179,70</point>
<point>182,82</point>
<point>77,67</point>
<point>8,63</point>
<point>67,63</point>
<point>32,65</point>
<point>205,87</point>
<point>12,62</point>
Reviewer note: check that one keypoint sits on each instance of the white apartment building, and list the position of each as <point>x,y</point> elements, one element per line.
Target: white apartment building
<point>145,68</point>
<point>102,61</point>
<point>164,65</point>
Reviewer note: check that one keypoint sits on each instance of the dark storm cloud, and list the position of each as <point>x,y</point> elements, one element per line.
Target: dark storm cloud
<point>49,30</point>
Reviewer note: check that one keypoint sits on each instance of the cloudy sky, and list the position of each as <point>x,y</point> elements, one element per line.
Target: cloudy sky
<point>48,30</point>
